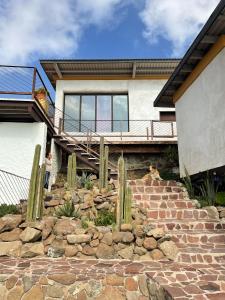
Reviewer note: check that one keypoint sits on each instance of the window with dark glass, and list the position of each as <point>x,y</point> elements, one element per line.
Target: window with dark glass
<point>101,113</point>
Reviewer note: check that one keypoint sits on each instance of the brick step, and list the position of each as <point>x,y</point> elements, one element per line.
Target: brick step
<point>214,238</point>
<point>154,183</point>
<point>186,225</point>
<point>178,214</point>
<point>164,204</point>
<point>136,189</point>
<point>200,256</point>
<point>159,197</point>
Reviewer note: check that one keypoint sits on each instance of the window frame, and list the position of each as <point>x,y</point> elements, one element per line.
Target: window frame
<point>96,103</point>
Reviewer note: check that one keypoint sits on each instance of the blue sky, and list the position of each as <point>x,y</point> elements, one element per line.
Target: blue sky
<point>86,29</point>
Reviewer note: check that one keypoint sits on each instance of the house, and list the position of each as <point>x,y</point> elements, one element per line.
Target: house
<point>197,90</point>
<point>93,98</point>
<point>114,99</point>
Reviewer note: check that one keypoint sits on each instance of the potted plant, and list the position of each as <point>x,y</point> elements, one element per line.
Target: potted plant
<point>41,96</point>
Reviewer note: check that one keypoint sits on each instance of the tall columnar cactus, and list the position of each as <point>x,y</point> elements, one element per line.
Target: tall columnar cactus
<point>102,163</point>
<point>106,167</point>
<point>72,171</point>
<point>35,203</point>
<point>123,213</point>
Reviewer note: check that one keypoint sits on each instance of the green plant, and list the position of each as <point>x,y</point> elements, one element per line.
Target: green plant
<point>171,155</point>
<point>85,181</point>
<point>103,167</point>
<point>35,202</point>
<point>106,168</point>
<point>67,210</point>
<point>123,209</point>
<point>84,224</point>
<point>105,218</point>
<point>188,184</point>
<point>6,209</point>
<point>168,175</point>
<point>220,198</point>
<point>72,171</point>
<point>208,189</point>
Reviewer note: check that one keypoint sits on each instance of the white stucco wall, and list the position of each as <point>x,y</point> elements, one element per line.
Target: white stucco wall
<point>200,116</point>
<point>141,93</point>
<point>17,144</point>
<point>56,161</point>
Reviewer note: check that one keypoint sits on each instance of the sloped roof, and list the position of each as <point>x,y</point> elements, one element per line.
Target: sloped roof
<point>208,36</point>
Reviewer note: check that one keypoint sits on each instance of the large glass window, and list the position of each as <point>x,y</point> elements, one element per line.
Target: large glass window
<point>101,113</point>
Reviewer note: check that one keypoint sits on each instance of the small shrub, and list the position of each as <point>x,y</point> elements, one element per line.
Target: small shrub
<point>6,209</point>
<point>105,218</point>
<point>168,175</point>
<point>208,189</point>
<point>85,181</point>
<point>220,198</point>
<point>67,210</point>
<point>84,224</point>
<point>188,184</point>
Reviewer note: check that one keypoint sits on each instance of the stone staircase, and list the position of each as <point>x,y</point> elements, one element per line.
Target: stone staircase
<point>198,233</point>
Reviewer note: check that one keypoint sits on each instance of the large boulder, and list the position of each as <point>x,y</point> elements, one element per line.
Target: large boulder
<point>107,239</point>
<point>156,254</point>
<point>126,253</point>
<point>169,249</point>
<point>124,237</point>
<point>32,249</point>
<point>65,226</point>
<point>30,235</point>
<point>10,248</point>
<point>150,243</point>
<point>212,212</point>
<point>104,251</point>
<point>78,238</point>
<point>10,236</point>
<point>9,222</point>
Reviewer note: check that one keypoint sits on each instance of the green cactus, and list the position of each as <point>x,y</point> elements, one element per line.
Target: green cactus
<point>40,193</point>
<point>72,171</point>
<point>33,184</point>
<point>106,167</point>
<point>102,163</point>
<point>123,213</point>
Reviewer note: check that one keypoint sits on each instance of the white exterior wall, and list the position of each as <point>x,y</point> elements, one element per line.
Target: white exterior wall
<point>201,120</point>
<point>56,161</point>
<point>141,93</point>
<point>17,145</point>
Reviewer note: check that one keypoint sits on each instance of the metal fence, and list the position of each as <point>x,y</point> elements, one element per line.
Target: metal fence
<point>13,188</point>
<point>21,83</point>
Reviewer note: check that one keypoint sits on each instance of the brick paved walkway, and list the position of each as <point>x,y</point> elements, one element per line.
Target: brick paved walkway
<point>45,278</point>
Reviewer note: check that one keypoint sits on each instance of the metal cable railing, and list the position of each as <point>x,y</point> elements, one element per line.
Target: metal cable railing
<point>13,188</point>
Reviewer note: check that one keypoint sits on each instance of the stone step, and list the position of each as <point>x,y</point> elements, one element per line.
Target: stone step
<point>177,214</point>
<point>163,204</point>
<point>174,225</point>
<point>154,183</point>
<point>155,190</point>
<point>190,256</point>
<point>214,238</point>
<point>159,197</point>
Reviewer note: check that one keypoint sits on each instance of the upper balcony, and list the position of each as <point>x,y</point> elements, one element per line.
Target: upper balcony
<point>21,96</point>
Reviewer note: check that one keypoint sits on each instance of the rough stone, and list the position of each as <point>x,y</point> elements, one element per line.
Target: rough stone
<point>55,291</point>
<point>65,226</point>
<point>169,249</point>
<point>35,292</point>
<point>28,282</point>
<point>126,253</point>
<point>88,250</point>
<point>126,227</point>
<point>30,235</point>
<point>150,243</point>
<point>79,238</point>
<point>139,231</point>
<point>55,252</point>
<point>157,233</point>
<point>114,280</point>
<point>212,212</point>
<point>146,257</point>
<point>139,241</point>
<point>10,282</point>
<point>131,284</point>
<point>94,243</point>
<point>9,222</point>
<point>10,236</point>
<point>104,251</point>
<point>107,239</point>
<point>63,278</point>
<point>15,293</point>
<point>71,250</point>
<point>108,292</point>
<point>10,248</point>
<point>32,250</point>
<point>156,254</point>
<point>139,250</point>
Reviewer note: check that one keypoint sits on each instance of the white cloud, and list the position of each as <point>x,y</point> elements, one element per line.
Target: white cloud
<point>48,27</point>
<point>177,21</point>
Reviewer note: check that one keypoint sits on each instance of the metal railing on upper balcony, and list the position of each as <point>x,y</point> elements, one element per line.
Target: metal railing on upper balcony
<point>21,83</point>
<point>127,130</point>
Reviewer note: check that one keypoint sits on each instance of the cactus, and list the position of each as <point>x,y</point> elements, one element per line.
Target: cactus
<point>40,192</point>
<point>101,166</point>
<point>106,167</point>
<point>72,171</point>
<point>123,212</point>
<point>33,180</point>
